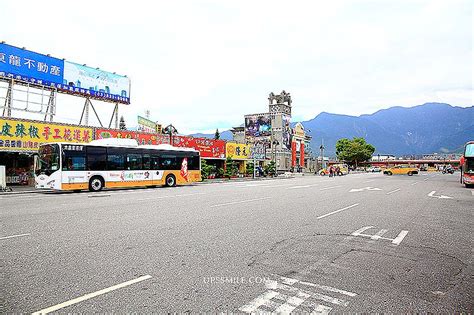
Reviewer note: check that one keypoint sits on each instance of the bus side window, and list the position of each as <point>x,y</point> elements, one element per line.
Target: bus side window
<point>146,161</point>
<point>168,162</point>
<point>74,161</point>
<point>96,158</point>
<point>155,162</point>
<point>134,162</point>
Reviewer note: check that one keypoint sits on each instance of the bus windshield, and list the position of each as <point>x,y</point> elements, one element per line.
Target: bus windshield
<point>469,152</point>
<point>48,159</point>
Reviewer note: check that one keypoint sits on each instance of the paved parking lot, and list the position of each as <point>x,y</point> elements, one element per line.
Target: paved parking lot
<point>358,243</point>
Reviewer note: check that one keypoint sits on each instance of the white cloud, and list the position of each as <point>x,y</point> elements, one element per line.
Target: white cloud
<point>203,65</point>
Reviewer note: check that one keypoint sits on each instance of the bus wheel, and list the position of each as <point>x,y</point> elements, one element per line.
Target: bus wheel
<point>170,181</point>
<point>410,174</point>
<point>389,173</point>
<point>96,183</point>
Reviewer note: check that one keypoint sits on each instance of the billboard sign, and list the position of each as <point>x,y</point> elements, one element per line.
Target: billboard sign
<point>68,77</point>
<point>146,125</point>
<point>25,136</point>
<point>237,151</point>
<point>286,131</point>
<point>208,148</point>
<point>258,125</point>
<point>141,137</point>
<point>258,151</point>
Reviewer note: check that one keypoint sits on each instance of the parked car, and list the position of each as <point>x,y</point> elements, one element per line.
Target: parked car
<point>401,170</point>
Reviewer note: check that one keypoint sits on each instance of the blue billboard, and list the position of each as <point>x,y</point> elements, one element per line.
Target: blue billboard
<point>68,77</point>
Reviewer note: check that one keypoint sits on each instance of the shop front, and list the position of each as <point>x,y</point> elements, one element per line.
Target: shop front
<point>240,154</point>
<point>21,138</point>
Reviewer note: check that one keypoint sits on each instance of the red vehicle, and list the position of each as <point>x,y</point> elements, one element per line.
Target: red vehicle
<point>467,165</point>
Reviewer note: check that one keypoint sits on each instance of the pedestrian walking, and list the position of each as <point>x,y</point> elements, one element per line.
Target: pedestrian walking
<point>331,171</point>
<point>338,171</point>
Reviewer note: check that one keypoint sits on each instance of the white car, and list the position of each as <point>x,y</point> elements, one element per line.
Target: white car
<point>374,169</point>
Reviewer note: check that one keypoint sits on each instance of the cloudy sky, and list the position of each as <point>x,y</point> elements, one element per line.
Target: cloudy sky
<point>202,65</point>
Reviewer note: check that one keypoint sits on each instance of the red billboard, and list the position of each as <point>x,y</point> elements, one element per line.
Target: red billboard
<point>209,148</point>
<point>141,137</point>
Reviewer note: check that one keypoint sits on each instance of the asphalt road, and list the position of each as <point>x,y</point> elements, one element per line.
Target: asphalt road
<point>358,243</point>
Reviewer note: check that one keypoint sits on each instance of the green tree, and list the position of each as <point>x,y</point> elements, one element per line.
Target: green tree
<point>122,125</point>
<point>249,168</point>
<point>231,168</point>
<point>217,135</point>
<point>270,168</point>
<point>354,151</point>
<point>206,169</point>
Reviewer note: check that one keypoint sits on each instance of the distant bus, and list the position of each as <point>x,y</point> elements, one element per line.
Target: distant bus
<point>467,165</point>
<point>114,163</point>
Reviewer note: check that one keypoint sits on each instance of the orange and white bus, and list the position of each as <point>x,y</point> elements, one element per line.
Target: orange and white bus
<point>114,163</point>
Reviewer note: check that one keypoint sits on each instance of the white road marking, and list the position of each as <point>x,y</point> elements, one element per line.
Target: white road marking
<point>237,202</point>
<point>399,238</point>
<point>413,184</point>
<point>273,285</point>
<point>326,288</point>
<point>359,231</point>
<point>431,194</point>
<point>284,298</point>
<point>379,234</point>
<point>292,303</point>
<point>258,301</point>
<point>291,281</point>
<point>369,181</point>
<point>172,196</point>
<point>13,236</point>
<point>320,309</point>
<point>296,187</point>
<point>90,295</point>
<point>472,192</point>
<point>332,187</point>
<point>328,214</point>
<point>393,191</point>
<point>365,188</point>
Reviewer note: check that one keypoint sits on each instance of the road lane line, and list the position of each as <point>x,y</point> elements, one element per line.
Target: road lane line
<point>413,184</point>
<point>173,196</point>
<point>393,191</point>
<point>90,295</point>
<point>258,301</point>
<point>397,240</point>
<point>330,187</point>
<point>472,192</point>
<point>13,236</point>
<point>334,212</point>
<point>237,202</point>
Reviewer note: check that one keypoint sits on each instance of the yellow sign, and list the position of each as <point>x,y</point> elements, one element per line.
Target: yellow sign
<point>237,151</point>
<point>25,135</point>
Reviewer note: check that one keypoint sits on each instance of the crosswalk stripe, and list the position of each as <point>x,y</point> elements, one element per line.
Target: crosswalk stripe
<point>292,303</point>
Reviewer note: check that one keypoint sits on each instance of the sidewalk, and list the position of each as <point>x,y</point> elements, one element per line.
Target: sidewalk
<point>13,190</point>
